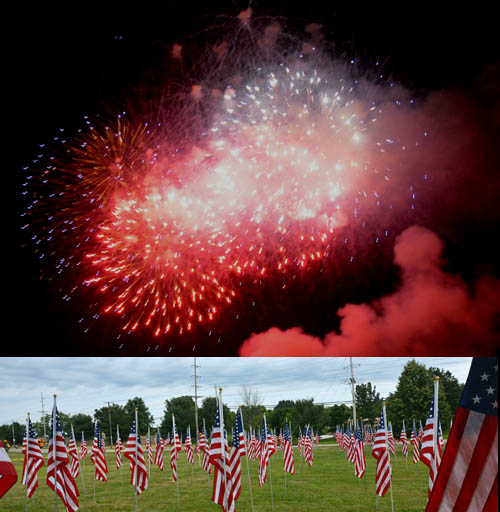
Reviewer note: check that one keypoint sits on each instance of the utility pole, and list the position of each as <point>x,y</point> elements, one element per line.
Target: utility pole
<point>110,429</point>
<point>353,393</point>
<point>43,421</point>
<point>196,397</point>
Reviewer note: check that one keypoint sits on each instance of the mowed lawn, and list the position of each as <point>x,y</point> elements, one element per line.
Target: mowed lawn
<point>329,485</point>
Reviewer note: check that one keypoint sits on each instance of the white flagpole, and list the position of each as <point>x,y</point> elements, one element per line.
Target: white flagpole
<point>435,426</point>
<point>389,455</point>
<point>54,451</point>
<point>246,453</point>
<point>286,420</point>
<point>174,440</point>
<point>83,467</point>
<point>25,474</point>
<point>95,465</point>
<point>221,415</point>
<point>135,467</point>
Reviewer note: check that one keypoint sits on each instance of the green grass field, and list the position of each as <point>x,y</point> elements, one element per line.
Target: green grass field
<point>329,485</point>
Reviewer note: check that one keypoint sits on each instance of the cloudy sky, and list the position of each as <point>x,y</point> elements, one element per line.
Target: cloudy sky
<point>85,384</point>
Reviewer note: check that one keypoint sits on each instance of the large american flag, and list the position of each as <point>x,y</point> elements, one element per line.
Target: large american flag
<point>33,459</point>
<point>427,455</point>
<point>205,448</point>
<point>239,420</point>
<point>350,448</point>
<point>468,477</point>
<point>58,470</point>
<point>135,454</point>
<point>235,463</point>
<point>359,453</point>
<point>175,448</point>
<point>288,460</point>
<point>159,450</point>
<point>98,455</point>
<point>73,452</point>
<point>415,442</point>
<point>118,448</point>
<point>404,440</point>
<point>381,452</point>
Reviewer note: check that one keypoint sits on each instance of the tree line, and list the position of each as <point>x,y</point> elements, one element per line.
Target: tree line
<point>410,400</point>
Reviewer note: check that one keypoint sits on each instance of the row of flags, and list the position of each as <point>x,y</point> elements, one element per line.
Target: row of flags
<point>466,472</point>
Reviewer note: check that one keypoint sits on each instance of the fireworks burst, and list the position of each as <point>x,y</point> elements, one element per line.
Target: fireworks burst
<point>294,156</point>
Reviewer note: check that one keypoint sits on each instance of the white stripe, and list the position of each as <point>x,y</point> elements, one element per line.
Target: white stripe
<point>487,479</point>
<point>462,460</point>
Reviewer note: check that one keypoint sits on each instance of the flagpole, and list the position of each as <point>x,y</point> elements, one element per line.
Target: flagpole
<point>388,454</point>
<point>149,441</point>
<point>435,426</point>
<point>118,437</point>
<point>270,477</point>
<point>54,451</point>
<point>95,465</point>
<point>248,467</point>
<point>286,420</point>
<point>25,475</point>
<point>83,468</point>
<point>174,440</point>
<point>221,414</point>
<point>135,466</point>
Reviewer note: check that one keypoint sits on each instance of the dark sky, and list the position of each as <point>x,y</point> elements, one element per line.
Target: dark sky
<point>69,64</point>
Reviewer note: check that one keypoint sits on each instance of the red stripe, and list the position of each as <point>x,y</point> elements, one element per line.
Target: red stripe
<point>457,431</point>
<point>481,451</point>
<point>491,504</point>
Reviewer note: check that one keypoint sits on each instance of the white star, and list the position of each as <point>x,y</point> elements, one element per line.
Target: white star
<point>495,404</point>
<point>490,390</point>
<point>484,376</point>
<point>476,399</point>
<point>496,367</point>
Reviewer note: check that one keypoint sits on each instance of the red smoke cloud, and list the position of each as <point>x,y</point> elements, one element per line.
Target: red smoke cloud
<point>432,313</point>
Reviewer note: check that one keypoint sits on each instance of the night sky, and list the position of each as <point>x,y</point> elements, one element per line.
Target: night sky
<point>66,65</point>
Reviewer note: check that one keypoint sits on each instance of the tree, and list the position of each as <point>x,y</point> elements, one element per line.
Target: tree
<point>452,388</point>
<point>338,415</point>
<point>252,408</point>
<point>119,416</point>
<point>182,408</point>
<point>368,401</point>
<point>145,418</point>
<point>306,412</point>
<point>82,423</point>
<point>413,397</point>
<point>209,408</point>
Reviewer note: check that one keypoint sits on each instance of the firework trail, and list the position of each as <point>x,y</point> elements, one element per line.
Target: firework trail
<point>285,162</point>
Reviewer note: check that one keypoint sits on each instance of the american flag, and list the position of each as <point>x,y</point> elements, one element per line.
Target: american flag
<point>73,451</point>
<point>404,440</point>
<point>175,448</point>
<point>338,435</point>
<point>58,470</point>
<point>8,473</point>
<point>159,450</point>
<point>252,446</point>
<point>308,446</point>
<point>369,434</point>
<point>218,458</point>
<point>420,432</point>
<point>33,459</point>
<point>264,453</point>
<point>428,456</point>
<point>381,453</point>
<point>235,463</point>
<point>83,448</point>
<point>468,477</point>
<point>149,448</point>
<point>415,442</point>
<point>300,443</point>
<point>118,449</point>
<point>288,460</point>
<point>188,446</point>
<point>239,420</point>
<point>350,447</point>
<point>359,453</point>
<point>390,439</point>
<point>134,453</point>
<point>346,439</point>
<point>98,455</point>
<point>205,448</point>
